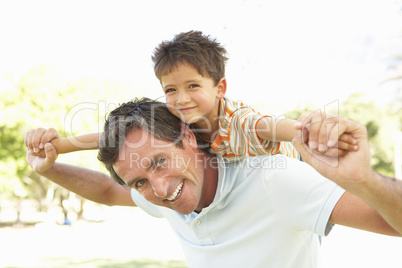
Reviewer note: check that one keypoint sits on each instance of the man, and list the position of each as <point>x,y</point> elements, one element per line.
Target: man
<point>264,211</point>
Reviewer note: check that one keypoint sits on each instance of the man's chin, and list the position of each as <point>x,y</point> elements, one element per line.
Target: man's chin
<point>185,211</point>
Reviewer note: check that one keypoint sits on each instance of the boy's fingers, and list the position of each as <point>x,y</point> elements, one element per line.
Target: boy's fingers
<point>315,129</point>
<point>26,138</point>
<point>341,145</point>
<point>303,120</point>
<point>334,152</point>
<point>333,135</point>
<point>348,138</point>
<point>29,144</point>
<point>328,131</point>
<point>49,135</point>
<point>36,138</point>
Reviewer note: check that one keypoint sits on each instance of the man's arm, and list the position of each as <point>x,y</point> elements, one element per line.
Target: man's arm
<point>373,202</point>
<point>90,184</point>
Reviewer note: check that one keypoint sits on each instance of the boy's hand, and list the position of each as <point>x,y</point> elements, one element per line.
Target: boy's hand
<point>325,133</point>
<point>352,170</point>
<point>37,140</point>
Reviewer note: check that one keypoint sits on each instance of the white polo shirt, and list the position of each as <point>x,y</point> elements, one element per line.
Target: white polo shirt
<point>269,211</point>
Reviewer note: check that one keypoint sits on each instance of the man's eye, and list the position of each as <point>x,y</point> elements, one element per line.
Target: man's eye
<point>160,162</point>
<point>140,183</point>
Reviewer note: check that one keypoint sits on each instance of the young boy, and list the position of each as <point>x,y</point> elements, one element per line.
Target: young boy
<point>191,70</point>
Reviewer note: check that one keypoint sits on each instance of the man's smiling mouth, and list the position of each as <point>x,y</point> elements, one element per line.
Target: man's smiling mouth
<point>176,193</point>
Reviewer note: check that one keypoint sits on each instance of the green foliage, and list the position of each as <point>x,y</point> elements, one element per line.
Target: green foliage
<point>45,97</point>
<point>382,126</point>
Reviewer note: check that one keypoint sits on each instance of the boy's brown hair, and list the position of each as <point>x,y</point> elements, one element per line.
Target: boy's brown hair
<point>200,51</point>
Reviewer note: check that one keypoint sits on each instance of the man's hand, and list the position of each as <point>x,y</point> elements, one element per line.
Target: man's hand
<point>37,140</point>
<point>348,169</point>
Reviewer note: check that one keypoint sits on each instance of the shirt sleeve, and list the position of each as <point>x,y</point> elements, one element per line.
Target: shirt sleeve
<point>238,137</point>
<point>303,198</point>
<point>148,207</point>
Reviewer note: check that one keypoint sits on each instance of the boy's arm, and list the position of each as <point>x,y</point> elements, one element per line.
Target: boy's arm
<point>269,128</point>
<point>90,184</point>
<point>372,202</point>
<point>272,129</point>
<point>88,141</point>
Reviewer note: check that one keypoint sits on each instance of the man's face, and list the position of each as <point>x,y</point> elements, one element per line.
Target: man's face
<point>163,173</point>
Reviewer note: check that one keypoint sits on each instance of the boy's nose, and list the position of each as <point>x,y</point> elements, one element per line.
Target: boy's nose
<point>183,98</point>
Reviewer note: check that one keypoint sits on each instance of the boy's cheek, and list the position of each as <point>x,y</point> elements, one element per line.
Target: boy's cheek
<point>173,111</point>
<point>170,105</point>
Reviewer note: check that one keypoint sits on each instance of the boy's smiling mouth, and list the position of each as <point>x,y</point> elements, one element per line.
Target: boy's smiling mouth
<point>183,110</point>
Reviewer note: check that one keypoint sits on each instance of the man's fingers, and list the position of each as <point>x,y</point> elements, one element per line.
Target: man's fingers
<point>51,154</point>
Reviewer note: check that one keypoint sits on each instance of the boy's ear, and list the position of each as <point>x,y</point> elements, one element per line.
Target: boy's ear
<point>188,136</point>
<point>221,88</point>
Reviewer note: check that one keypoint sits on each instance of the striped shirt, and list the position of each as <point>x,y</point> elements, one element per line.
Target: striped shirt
<point>237,136</point>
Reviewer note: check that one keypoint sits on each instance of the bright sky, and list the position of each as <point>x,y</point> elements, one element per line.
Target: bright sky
<point>310,51</point>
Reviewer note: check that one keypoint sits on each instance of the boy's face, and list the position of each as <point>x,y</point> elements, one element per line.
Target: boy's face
<point>192,97</point>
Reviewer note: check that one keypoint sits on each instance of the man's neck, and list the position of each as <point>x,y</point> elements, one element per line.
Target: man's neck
<point>210,184</point>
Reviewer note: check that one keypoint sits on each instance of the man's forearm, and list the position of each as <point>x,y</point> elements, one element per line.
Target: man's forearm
<point>92,185</point>
<point>384,194</point>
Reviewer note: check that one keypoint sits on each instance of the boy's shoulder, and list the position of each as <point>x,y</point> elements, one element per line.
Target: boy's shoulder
<point>229,106</point>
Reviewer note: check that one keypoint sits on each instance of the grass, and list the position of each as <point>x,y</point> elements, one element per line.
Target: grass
<point>102,263</point>
<point>126,237</point>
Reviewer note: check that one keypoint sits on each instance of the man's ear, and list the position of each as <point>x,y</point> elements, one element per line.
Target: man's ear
<point>188,136</point>
<point>222,84</point>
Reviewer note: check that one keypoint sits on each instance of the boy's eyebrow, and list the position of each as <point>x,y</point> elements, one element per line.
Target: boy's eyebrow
<point>187,82</point>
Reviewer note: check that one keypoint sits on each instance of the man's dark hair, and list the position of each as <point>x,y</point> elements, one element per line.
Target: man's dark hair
<point>200,51</point>
<point>149,115</point>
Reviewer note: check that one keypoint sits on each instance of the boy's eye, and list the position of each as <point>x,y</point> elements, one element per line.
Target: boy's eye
<point>194,85</point>
<point>140,183</point>
<point>169,90</point>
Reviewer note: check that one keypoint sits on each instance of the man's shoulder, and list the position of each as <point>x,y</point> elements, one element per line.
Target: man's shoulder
<point>270,167</point>
<point>268,161</point>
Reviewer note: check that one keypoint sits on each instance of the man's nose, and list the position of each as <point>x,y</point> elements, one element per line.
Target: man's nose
<point>160,186</point>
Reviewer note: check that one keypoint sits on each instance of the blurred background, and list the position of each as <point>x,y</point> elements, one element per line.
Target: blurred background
<point>65,64</point>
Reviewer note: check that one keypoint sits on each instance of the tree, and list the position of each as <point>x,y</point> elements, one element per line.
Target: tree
<point>48,98</point>
<point>380,122</point>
